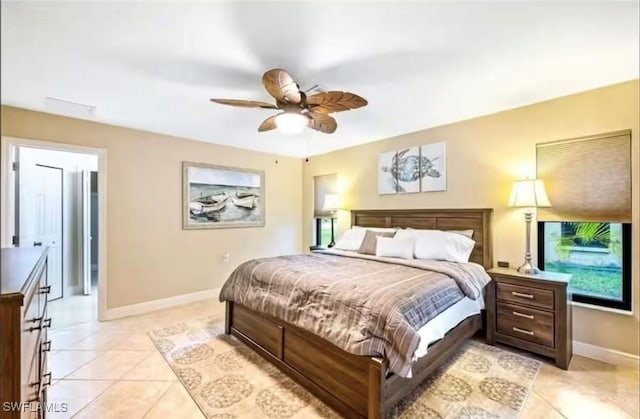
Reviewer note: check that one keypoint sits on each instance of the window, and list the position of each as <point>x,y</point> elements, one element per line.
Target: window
<point>323,185</point>
<point>586,232</point>
<point>596,254</point>
<point>323,231</point>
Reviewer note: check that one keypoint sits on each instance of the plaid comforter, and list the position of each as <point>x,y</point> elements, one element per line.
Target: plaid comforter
<point>365,305</point>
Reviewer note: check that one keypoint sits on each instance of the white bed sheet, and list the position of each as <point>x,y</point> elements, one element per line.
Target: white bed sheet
<point>437,327</point>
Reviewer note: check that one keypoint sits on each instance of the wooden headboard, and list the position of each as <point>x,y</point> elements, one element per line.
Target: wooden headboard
<point>478,220</point>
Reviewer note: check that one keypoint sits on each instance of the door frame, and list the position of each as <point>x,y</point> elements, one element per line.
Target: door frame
<point>8,144</point>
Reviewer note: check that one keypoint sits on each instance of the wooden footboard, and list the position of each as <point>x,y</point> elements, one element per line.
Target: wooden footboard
<point>355,386</point>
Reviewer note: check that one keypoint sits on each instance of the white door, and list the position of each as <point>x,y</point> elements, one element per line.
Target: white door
<point>39,212</point>
<point>86,232</point>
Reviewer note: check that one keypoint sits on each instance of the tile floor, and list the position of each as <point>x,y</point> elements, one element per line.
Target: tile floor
<point>74,309</point>
<point>112,370</point>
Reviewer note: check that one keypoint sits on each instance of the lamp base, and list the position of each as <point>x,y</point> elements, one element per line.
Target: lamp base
<point>528,268</point>
<point>333,242</point>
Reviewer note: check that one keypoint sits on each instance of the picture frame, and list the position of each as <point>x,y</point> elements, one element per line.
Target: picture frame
<point>387,183</point>
<point>216,196</point>
<point>433,163</point>
<point>407,175</point>
<point>413,169</point>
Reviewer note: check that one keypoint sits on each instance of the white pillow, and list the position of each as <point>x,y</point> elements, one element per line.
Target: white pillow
<point>392,247</point>
<point>351,239</point>
<point>439,245</point>
<point>466,233</point>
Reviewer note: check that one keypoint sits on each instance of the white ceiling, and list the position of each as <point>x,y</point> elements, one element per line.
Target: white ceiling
<point>154,66</point>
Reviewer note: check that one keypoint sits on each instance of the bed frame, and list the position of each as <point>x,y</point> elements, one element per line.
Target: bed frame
<point>360,386</point>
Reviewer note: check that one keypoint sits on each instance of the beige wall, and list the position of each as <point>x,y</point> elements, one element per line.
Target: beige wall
<point>149,256</point>
<point>484,156</point>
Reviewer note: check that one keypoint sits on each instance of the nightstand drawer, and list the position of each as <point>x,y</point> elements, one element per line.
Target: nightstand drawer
<point>526,323</point>
<point>524,295</point>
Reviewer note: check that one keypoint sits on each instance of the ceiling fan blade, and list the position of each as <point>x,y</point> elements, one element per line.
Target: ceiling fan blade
<point>281,86</point>
<point>268,124</point>
<point>245,103</point>
<point>322,122</point>
<point>334,101</point>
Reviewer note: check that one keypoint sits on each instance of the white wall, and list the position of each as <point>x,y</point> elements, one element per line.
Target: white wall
<point>72,165</point>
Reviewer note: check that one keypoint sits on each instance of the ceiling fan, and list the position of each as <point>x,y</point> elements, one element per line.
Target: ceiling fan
<point>298,110</point>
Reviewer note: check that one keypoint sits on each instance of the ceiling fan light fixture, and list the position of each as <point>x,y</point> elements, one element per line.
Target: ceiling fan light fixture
<point>291,123</point>
<point>300,110</point>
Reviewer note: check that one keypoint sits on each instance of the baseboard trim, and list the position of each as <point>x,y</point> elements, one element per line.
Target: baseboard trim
<point>610,356</point>
<point>154,305</point>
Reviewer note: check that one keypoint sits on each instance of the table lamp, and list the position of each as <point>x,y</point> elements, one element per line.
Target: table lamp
<point>528,194</point>
<point>331,206</point>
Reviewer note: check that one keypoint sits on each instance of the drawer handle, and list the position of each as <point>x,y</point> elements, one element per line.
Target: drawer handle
<point>45,324</point>
<point>526,316</point>
<point>521,294</point>
<point>46,346</point>
<point>526,332</point>
<point>45,290</point>
<point>47,383</point>
<point>34,320</point>
<point>44,382</point>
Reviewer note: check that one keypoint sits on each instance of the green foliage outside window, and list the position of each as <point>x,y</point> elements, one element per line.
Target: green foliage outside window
<point>592,274</point>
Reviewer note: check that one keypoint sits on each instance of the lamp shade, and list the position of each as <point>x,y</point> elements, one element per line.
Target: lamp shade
<point>529,193</point>
<point>330,202</point>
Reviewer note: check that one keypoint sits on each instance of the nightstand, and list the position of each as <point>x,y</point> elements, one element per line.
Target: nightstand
<point>530,312</point>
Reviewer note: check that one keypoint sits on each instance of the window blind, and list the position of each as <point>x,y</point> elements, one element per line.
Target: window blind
<point>323,185</point>
<point>587,179</point>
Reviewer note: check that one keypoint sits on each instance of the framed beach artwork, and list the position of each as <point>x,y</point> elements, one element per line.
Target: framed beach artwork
<point>433,160</point>
<point>387,183</point>
<point>221,197</point>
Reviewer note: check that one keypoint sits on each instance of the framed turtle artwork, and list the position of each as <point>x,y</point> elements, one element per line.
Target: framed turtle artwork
<point>433,167</point>
<point>387,183</point>
<point>407,170</point>
<point>415,169</point>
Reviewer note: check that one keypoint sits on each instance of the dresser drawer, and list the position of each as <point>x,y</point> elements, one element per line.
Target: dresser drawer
<point>30,382</point>
<point>43,289</point>
<point>536,297</point>
<point>526,323</point>
<point>31,325</point>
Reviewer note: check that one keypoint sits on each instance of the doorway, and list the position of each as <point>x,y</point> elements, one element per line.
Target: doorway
<point>53,207</point>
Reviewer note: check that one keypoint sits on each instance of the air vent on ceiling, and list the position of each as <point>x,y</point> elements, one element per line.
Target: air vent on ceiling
<point>68,108</point>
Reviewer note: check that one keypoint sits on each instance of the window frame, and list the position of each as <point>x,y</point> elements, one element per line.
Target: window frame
<point>625,303</point>
<point>318,227</point>
<point>318,230</point>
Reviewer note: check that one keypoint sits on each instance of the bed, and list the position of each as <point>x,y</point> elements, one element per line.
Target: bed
<point>359,386</point>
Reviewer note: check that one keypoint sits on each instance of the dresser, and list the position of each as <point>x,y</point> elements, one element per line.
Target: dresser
<point>24,373</point>
<point>530,312</point>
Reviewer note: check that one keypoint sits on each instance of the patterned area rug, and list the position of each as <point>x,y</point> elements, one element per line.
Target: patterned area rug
<point>228,380</point>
